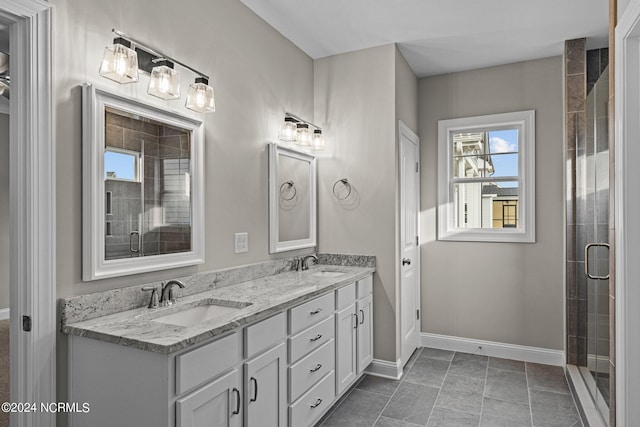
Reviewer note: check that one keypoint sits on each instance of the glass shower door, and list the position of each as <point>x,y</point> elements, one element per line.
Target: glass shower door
<point>592,204</point>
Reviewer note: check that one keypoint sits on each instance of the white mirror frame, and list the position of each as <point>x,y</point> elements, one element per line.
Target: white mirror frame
<point>94,265</point>
<point>275,245</point>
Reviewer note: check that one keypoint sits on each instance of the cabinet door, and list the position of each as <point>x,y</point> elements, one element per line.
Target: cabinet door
<point>346,323</point>
<point>265,379</point>
<point>364,309</point>
<point>217,404</point>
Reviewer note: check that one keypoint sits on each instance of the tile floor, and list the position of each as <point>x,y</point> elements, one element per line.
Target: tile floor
<point>447,389</point>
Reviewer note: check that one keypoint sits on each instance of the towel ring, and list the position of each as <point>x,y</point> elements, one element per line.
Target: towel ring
<point>290,186</point>
<point>344,182</point>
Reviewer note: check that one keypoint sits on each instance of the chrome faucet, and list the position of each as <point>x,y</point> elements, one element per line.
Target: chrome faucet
<point>305,261</point>
<point>168,295</point>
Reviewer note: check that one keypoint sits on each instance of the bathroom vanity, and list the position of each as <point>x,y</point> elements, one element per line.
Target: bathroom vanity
<point>280,352</point>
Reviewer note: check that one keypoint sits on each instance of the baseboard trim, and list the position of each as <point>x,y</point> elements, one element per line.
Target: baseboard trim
<point>4,314</point>
<point>385,369</point>
<point>494,349</point>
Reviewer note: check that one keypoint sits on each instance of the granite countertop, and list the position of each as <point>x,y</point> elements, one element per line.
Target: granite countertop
<point>266,296</point>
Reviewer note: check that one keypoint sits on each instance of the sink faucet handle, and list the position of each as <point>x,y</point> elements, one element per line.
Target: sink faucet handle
<point>153,302</point>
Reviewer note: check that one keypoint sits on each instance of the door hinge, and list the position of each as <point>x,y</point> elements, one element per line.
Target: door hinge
<point>417,314</point>
<point>26,323</point>
<point>417,167</point>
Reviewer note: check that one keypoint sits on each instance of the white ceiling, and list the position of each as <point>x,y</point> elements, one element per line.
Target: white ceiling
<point>439,36</point>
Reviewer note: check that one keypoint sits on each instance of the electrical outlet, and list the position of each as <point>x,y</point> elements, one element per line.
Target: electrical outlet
<point>242,242</point>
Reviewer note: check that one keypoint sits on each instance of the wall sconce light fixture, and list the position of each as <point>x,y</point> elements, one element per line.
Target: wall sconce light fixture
<point>126,56</point>
<point>296,129</point>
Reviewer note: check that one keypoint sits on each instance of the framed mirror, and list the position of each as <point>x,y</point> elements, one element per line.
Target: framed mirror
<point>143,180</point>
<point>292,199</point>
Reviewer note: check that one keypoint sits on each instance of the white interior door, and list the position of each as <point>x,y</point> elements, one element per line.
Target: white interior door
<point>409,246</point>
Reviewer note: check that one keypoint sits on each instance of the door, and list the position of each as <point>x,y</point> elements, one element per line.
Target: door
<point>265,384</point>
<point>346,324</point>
<point>364,311</point>
<point>218,404</point>
<point>592,214</point>
<point>409,245</point>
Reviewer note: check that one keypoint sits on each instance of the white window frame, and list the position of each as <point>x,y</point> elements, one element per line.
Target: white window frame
<point>524,121</point>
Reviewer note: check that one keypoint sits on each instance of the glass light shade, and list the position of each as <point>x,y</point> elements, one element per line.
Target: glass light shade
<point>200,97</point>
<point>119,63</point>
<point>317,141</point>
<point>288,131</point>
<point>304,135</point>
<point>164,82</point>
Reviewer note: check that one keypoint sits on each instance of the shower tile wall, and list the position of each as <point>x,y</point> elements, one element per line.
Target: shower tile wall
<point>156,143</point>
<point>575,87</point>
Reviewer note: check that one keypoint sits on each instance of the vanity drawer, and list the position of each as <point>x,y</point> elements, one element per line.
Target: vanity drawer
<point>306,410</point>
<point>345,296</point>
<point>311,312</point>
<point>310,339</point>
<point>264,334</point>
<point>309,370</point>
<point>365,286</point>
<point>207,362</point>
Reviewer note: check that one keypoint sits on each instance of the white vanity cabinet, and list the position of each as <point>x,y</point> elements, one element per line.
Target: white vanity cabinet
<point>286,370</point>
<point>354,331</point>
<point>265,373</point>
<point>218,404</point>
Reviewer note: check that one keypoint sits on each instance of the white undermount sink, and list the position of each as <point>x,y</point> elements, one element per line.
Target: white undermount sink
<point>208,310</point>
<point>328,273</point>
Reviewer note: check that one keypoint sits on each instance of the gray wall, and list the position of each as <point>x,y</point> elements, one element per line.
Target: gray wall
<point>354,103</point>
<point>4,211</point>
<point>257,75</point>
<point>504,292</point>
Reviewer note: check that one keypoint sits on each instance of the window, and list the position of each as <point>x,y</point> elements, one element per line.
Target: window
<point>486,173</point>
<point>177,191</point>
<point>122,165</point>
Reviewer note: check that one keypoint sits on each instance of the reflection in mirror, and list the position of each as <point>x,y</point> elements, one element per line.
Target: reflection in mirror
<point>142,187</point>
<point>292,199</point>
<point>147,187</point>
<point>293,215</point>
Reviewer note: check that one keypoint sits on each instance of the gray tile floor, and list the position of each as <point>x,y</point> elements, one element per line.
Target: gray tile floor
<point>447,389</point>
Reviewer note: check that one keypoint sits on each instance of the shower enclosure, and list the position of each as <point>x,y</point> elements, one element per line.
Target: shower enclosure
<point>590,191</point>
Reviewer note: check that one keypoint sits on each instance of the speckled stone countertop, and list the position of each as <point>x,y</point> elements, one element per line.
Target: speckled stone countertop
<point>265,296</point>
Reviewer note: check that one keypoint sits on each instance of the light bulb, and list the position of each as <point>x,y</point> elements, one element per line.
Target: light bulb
<point>303,136</point>
<point>288,131</point>
<point>200,97</point>
<point>120,62</point>
<point>317,141</point>
<point>165,81</point>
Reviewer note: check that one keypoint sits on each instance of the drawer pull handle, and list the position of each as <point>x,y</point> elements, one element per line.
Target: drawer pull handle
<point>362,321</point>
<point>316,311</point>
<point>318,366</point>
<point>255,388</point>
<point>237,392</point>
<point>318,402</point>
<point>316,338</point>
